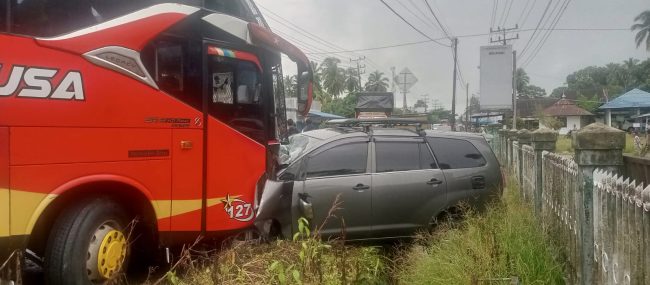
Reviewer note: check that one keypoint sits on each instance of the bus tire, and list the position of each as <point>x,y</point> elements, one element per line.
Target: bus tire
<point>88,244</point>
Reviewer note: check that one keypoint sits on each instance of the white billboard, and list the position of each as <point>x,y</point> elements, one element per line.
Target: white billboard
<point>496,77</point>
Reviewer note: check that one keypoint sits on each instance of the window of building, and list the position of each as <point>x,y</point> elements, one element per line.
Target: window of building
<point>456,153</point>
<point>347,159</point>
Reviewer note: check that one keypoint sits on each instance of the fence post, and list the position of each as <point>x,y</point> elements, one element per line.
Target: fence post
<point>596,146</point>
<point>524,137</point>
<point>512,136</point>
<point>542,140</point>
<point>502,146</point>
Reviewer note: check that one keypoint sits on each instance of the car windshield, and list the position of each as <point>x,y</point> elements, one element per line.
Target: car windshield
<point>298,145</point>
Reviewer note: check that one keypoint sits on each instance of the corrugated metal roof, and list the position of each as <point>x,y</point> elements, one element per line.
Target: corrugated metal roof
<point>634,98</point>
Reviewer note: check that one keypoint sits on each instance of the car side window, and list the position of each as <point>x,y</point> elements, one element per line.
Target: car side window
<point>397,156</point>
<point>426,158</point>
<point>346,159</point>
<point>456,153</point>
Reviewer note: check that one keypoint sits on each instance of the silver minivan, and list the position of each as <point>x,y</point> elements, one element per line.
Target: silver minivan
<point>390,182</point>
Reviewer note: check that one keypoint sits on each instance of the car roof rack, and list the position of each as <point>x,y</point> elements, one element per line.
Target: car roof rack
<point>383,122</point>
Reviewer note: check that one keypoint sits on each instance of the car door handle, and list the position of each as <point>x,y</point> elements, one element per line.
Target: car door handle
<point>361,187</point>
<point>306,208</point>
<point>434,181</point>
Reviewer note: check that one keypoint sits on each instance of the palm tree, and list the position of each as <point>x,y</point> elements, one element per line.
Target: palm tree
<point>629,65</point>
<point>319,92</point>
<point>351,80</point>
<point>333,76</point>
<point>377,82</point>
<point>522,80</point>
<point>290,86</point>
<point>643,28</point>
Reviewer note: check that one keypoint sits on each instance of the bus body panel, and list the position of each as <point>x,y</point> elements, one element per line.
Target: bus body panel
<point>235,165</point>
<point>187,180</point>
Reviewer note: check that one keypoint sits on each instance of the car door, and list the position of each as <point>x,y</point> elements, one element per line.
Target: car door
<point>338,170</point>
<point>408,189</point>
<point>464,167</point>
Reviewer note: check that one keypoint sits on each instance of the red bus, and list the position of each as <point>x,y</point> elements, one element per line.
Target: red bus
<point>129,126</point>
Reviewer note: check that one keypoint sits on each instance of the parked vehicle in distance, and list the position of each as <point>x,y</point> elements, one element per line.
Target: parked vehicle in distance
<point>391,182</point>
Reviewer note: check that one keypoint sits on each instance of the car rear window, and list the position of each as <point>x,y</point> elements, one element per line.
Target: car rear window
<point>456,153</point>
<point>344,159</point>
<point>403,156</point>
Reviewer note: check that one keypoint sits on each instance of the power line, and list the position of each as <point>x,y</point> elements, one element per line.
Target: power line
<point>425,22</point>
<point>495,5</point>
<point>308,34</point>
<point>507,13</point>
<point>523,11</point>
<point>537,27</point>
<point>468,36</point>
<point>437,20</point>
<point>407,22</point>
<point>528,13</point>
<point>548,34</point>
<point>540,36</point>
<point>505,7</point>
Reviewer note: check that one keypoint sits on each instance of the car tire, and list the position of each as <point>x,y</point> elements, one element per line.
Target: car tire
<point>88,244</point>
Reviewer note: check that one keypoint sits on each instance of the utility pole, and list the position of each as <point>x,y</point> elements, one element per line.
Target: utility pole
<point>467,125</point>
<point>392,85</point>
<point>452,120</point>
<point>502,38</point>
<point>425,99</point>
<point>359,66</point>
<point>514,89</point>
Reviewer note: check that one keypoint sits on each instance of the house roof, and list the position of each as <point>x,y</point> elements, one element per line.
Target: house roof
<point>564,107</point>
<point>634,98</point>
<point>529,107</point>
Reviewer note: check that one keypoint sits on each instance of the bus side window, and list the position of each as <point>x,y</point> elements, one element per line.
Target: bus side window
<point>177,69</point>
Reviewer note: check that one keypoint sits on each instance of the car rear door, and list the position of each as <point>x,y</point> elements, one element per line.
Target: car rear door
<point>339,169</point>
<point>408,189</point>
<point>465,169</point>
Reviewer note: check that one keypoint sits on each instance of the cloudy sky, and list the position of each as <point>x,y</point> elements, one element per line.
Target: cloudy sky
<point>362,24</point>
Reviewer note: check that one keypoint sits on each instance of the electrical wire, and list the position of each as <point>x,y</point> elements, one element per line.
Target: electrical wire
<point>495,6</point>
<point>523,11</point>
<point>437,20</point>
<point>284,22</point>
<point>468,36</point>
<point>505,20</point>
<point>523,22</point>
<point>548,34</point>
<point>537,27</point>
<point>411,25</point>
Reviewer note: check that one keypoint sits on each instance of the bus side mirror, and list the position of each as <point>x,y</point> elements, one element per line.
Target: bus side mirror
<point>305,92</point>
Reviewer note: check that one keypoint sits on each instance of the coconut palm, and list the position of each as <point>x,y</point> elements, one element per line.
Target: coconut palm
<point>319,92</point>
<point>377,82</point>
<point>522,80</point>
<point>290,86</point>
<point>351,80</point>
<point>643,29</point>
<point>333,76</point>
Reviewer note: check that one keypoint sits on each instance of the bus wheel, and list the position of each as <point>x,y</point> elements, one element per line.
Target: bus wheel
<point>88,244</point>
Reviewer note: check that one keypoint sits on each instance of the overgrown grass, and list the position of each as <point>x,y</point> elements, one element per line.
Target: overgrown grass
<point>503,242</point>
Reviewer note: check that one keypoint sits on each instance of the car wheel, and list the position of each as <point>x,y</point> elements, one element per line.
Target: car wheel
<point>88,244</point>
